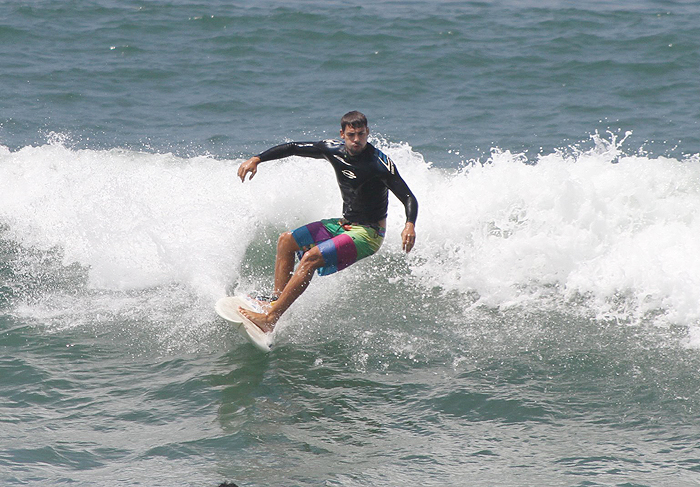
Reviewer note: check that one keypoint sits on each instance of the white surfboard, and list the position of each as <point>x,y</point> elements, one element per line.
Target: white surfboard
<point>227,308</point>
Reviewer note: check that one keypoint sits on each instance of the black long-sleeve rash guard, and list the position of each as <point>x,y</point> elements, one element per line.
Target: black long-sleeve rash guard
<point>363,179</point>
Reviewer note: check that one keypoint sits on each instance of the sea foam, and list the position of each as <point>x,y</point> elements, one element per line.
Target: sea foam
<point>615,233</point>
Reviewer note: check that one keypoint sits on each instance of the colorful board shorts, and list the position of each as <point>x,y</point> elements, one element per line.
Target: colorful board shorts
<point>341,243</point>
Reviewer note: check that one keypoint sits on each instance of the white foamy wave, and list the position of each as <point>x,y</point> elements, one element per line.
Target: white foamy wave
<point>613,231</point>
<point>139,220</point>
<point>618,232</point>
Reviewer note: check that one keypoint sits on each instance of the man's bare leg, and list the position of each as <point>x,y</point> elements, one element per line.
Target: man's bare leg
<point>294,285</point>
<point>287,248</point>
<point>285,259</point>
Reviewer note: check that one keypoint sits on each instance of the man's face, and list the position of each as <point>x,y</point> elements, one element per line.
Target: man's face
<point>355,139</point>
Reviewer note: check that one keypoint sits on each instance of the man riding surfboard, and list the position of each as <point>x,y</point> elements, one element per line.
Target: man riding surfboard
<point>365,175</point>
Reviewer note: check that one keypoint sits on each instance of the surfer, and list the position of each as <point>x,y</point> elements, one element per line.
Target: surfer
<point>364,175</point>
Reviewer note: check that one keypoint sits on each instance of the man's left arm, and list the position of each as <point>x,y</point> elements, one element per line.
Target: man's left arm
<point>401,190</point>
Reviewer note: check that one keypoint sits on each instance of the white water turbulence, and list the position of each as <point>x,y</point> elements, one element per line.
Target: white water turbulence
<point>131,234</point>
<point>613,235</point>
<point>95,238</point>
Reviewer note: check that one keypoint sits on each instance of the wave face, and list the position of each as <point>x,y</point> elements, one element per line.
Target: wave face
<point>597,232</point>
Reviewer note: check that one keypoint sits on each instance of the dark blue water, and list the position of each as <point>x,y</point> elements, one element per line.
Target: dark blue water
<point>446,77</point>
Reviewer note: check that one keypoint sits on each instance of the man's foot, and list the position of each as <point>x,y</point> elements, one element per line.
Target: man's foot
<point>264,321</point>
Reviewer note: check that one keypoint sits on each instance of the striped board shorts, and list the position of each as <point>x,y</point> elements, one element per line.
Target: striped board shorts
<point>341,243</point>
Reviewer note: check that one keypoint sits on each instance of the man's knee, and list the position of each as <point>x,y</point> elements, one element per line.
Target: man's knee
<point>312,259</point>
<point>287,242</point>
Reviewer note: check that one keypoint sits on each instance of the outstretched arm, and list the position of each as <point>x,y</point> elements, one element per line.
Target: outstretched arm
<point>305,149</point>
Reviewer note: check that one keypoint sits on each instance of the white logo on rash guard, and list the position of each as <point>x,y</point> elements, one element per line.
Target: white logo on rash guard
<point>349,174</point>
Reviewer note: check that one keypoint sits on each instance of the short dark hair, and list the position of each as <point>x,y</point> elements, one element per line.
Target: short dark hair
<point>355,119</point>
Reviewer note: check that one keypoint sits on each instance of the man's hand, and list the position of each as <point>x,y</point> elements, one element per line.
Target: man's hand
<point>408,236</point>
<point>249,166</point>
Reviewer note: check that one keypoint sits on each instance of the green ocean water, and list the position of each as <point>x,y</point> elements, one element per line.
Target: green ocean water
<point>545,330</point>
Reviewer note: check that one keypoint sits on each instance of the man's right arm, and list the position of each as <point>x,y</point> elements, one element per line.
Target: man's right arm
<point>304,149</point>
<point>248,167</point>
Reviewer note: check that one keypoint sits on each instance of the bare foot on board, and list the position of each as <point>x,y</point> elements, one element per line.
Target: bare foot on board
<point>262,320</point>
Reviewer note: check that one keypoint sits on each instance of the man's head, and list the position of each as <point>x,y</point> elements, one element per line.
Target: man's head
<point>354,131</point>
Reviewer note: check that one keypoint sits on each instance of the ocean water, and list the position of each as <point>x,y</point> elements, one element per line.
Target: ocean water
<point>544,331</point>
